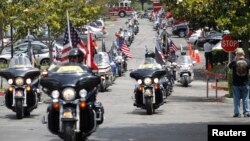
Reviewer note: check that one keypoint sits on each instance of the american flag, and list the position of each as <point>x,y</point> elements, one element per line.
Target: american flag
<point>125,49</point>
<point>159,56</point>
<point>75,41</point>
<point>172,46</point>
<point>56,54</point>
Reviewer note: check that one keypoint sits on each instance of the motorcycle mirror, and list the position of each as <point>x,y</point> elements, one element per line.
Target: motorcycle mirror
<point>174,64</point>
<point>45,90</point>
<point>194,62</point>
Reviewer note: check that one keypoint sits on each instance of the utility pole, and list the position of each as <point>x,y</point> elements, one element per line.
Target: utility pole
<point>142,4</point>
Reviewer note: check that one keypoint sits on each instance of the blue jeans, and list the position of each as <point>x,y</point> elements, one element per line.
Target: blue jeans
<point>241,92</point>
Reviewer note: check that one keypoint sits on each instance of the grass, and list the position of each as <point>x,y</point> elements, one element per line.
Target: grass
<point>220,69</point>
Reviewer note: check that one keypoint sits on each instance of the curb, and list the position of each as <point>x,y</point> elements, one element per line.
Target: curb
<point>215,75</point>
<point>213,86</point>
<point>2,94</point>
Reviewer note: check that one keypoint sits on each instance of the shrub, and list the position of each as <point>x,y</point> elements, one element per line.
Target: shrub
<point>219,56</point>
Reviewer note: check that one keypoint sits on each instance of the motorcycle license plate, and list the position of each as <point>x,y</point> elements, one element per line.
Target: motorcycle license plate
<point>19,93</point>
<point>67,114</point>
<point>148,92</point>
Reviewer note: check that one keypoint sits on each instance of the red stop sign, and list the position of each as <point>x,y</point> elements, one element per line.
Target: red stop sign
<point>228,44</point>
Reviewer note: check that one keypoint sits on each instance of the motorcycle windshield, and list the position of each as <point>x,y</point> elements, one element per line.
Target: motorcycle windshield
<point>184,60</point>
<point>150,63</point>
<point>20,62</point>
<point>70,68</point>
<point>101,59</point>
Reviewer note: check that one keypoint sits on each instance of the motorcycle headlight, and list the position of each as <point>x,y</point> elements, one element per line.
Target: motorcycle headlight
<point>55,94</point>
<point>185,68</point>
<point>147,81</point>
<point>156,80</point>
<point>19,81</point>
<point>69,94</point>
<point>28,81</point>
<point>83,93</point>
<point>139,81</point>
<point>10,81</point>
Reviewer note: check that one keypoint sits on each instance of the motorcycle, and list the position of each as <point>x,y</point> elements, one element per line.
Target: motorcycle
<point>128,36</point>
<point>121,64</point>
<point>135,29</point>
<point>105,70</point>
<point>150,92</point>
<point>21,97</point>
<point>184,70</point>
<point>73,113</point>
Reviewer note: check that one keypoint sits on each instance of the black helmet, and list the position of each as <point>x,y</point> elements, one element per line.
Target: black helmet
<point>183,53</point>
<point>150,54</point>
<point>76,53</point>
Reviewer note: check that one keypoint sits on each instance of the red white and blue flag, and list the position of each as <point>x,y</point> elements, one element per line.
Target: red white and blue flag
<point>125,49</point>
<point>159,56</point>
<point>172,46</point>
<point>72,41</point>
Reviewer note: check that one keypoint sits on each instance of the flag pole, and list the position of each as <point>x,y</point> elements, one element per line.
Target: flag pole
<point>68,25</point>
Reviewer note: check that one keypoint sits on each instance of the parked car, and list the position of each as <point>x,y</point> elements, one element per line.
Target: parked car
<point>98,33</point>
<point>100,23</point>
<point>213,38</point>
<point>181,30</point>
<point>41,52</point>
<point>194,36</point>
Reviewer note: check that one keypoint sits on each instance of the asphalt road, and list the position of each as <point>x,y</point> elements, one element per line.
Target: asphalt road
<point>184,117</point>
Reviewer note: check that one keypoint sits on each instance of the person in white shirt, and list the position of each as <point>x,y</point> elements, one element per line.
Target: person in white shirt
<point>208,54</point>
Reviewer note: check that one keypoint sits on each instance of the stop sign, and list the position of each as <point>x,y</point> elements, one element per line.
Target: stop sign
<point>228,44</point>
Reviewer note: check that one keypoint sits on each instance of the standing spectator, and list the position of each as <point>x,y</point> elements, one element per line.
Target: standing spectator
<point>240,67</point>
<point>208,54</point>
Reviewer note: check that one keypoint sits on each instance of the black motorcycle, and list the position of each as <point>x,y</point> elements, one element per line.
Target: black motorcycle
<point>73,113</point>
<point>20,96</point>
<point>150,93</point>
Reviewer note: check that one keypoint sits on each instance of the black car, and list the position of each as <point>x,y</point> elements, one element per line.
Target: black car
<point>180,30</point>
<point>213,38</point>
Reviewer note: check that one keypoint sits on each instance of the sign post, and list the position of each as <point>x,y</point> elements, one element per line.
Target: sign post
<point>229,45</point>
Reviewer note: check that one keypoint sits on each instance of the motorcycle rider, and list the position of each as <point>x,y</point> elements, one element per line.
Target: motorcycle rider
<point>150,61</point>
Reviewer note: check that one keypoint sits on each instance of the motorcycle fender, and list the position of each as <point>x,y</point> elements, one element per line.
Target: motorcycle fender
<point>185,74</point>
<point>19,97</point>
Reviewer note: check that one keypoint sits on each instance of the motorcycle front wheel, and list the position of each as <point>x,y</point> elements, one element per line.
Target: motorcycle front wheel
<point>149,106</point>
<point>19,109</point>
<point>185,81</point>
<point>102,87</point>
<point>69,134</point>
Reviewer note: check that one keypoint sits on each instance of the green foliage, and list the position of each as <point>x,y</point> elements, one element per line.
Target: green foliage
<point>223,14</point>
<point>136,5</point>
<point>37,14</point>
<point>219,56</point>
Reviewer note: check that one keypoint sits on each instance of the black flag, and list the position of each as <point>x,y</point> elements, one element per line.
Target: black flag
<point>103,46</point>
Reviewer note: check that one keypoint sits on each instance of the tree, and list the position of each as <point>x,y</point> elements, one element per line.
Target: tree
<point>38,14</point>
<point>222,15</point>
